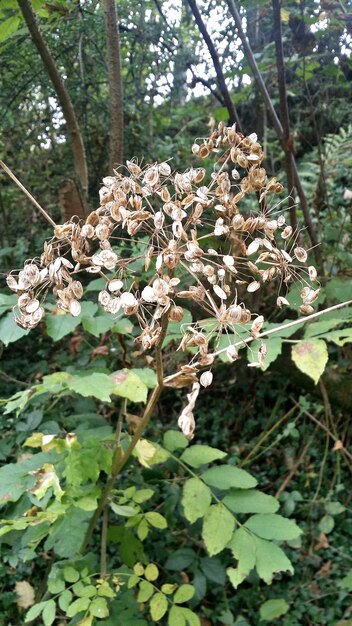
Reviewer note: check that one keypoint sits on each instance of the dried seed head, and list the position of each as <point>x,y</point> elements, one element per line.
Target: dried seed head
<point>206,379</point>
<point>175,314</point>
<point>300,254</point>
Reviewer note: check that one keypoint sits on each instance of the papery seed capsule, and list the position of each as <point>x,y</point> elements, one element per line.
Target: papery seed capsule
<point>206,379</point>
<point>104,297</point>
<point>312,273</point>
<point>220,292</point>
<point>228,260</point>
<point>175,314</point>
<point>203,151</point>
<point>164,169</point>
<point>300,254</point>
<point>76,288</point>
<point>195,148</point>
<point>23,300</point>
<point>254,286</point>
<point>115,285</point>
<point>257,325</point>
<point>287,232</point>
<point>281,301</point>
<point>253,247</point>
<point>232,353</point>
<point>12,283</point>
<point>306,309</point>
<point>32,306</point>
<point>75,308</point>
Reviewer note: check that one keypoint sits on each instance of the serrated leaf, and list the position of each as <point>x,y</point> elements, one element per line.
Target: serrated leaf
<point>184,593</point>
<point>311,357</point>
<point>198,455</point>
<point>49,613</point>
<point>272,526</point>
<point>270,559</point>
<point>97,385</point>
<point>218,527</point>
<point>227,476</point>
<point>250,501</point>
<point>196,499</point>
<point>272,609</point>
<point>158,606</point>
<point>243,548</point>
<point>58,326</point>
<point>174,440</point>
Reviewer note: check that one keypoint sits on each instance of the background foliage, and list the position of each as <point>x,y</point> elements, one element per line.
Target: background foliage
<point>281,432</point>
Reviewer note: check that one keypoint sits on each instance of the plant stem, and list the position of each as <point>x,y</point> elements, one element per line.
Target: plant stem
<point>120,459</point>
<point>29,195</point>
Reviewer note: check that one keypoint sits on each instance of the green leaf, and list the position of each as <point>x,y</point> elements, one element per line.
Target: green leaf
<point>184,593</point>
<point>326,524</point>
<point>123,509</point>
<point>9,27</point>
<point>196,499</point>
<point>272,609</point>
<point>311,357</point>
<point>243,548</point>
<point>49,613</point>
<point>34,611</point>
<point>71,575</point>
<point>270,559</point>
<point>58,326</point>
<point>99,608</point>
<point>9,330</point>
<point>15,478</point>
<point>218,527</point>
<point>151,572</point>
<point>273,349</point>
<point>227,476</point>
<point>250,501</point>
<point>191,618</point>
<point>145,592</point>
<point>334,508</point>
<point>81,604</point>
<point>213,569</point>
<point>98,325</point>
<point>174,440</point>
<point>156,520</point>
<point>180,559</point>
<point>176,617</point>
<point>272,526</point>
<point>127,384</point>
<point>346,582</point>
<point>198,455</point>
<point>158,606</point>
<point>147,376</point>
<point>65,599</point>
<point>97,384</point>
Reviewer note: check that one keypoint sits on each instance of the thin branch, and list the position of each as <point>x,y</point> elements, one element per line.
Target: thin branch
<point>217,65</point>
<point>120,459</point>
<point>267,333</point>
<point>278,129</point>
<point>284,114</point>
<point>78,150</point>
<point>29,195</point>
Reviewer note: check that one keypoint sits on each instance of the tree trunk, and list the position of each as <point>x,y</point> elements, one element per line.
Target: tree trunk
<point>217,65</point>
<point>78,150</point>
<point>115,84</point>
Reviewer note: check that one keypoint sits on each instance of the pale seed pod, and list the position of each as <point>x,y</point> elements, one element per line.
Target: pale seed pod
<point>115,285</point>
<point>257,326</point>
<point>77,289</point>
<point>232,353</point>
<point>32,306</point>
<point>195,148</point>
<point>203,151</point>
<point>220,292</point>
<point>287,232</point>
<point>206,379</point>
<point>312,273</point>
<point>175,314</point>
<point>254,286</point>
<point>300,254</point>
<point>306,309</point>
<point>253,247</point>
<point>164,169</point>
<point>12,282</point>
<point>75,308</point>
<point>281,301</point>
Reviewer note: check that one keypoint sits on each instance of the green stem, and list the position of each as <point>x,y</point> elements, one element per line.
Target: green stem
<point>120,459</point>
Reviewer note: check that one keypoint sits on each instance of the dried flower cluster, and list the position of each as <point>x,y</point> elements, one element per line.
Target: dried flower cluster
<point>195,242</point>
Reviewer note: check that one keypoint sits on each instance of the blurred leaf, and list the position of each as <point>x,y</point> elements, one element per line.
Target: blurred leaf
<point>311,357</point>
<point>272,609</point>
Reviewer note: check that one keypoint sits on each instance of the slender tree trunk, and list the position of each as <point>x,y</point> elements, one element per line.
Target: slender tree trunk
<point>217,65</point>
<point>78,150</point>
<point>284,114</point>
<point>279,131</point>
<point>115,84</point>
